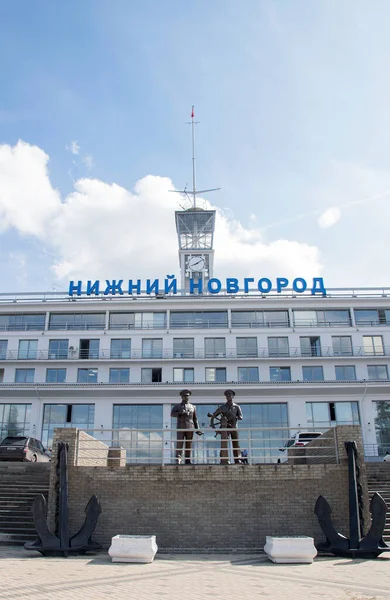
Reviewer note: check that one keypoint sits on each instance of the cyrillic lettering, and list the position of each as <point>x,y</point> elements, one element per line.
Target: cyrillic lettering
<point>247,281</point>
<point>267,282</point>
<point>136,287</point>
<point>170,285</point>
<point>321,287</point>
<point>92,288</point>
<point>113,287</point>
<point>232,285</point>
<point>302,282</point>
<point>152,287</point>
<point>211,288</point>
<point>75,288</point>
<point>198,285</point>
<point>281,283</point>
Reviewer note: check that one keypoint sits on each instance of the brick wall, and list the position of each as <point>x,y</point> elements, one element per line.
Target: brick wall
<point>206,506</point>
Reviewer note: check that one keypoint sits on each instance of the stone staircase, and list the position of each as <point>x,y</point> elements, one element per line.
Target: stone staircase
<point>19,484</point>
<point>378,480</point>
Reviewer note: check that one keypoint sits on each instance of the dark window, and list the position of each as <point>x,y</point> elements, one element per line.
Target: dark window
<point>3,349</point>
<point>89,349</point>
<point>151,375</point>
<point>310,346</point>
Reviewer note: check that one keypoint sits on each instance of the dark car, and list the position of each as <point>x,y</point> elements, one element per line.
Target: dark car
<point>27,449</point>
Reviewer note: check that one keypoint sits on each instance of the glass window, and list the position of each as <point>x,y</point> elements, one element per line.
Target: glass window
<point>312,373</point>
<point>267,318</point>
<point>14,420</point>
<point>246,374</point>
<point>89,349</point>
<point>345,373</point>
<point>3,349</point>
<point>216,374</point>
<point>215,347</point>
<point>322,318</point>
<point>342,345</point>
<point>121,348</point>
<point>87,375</point>
<point>323,414</point>
<point>134,422</point>
<point>24,375</point>
<point>27,349</point>
<point>55,375</point>
<point>66,415</point>
<point>310,346</point>
<point>246,346</point>
<point>153,375</point>
<point>373,344</point>
<point>183,347</point>
<point>382,425</point>
<point>370,317</point>
<point>185,375</point>
<point>278,346</point>
<point>137,320</point>
<point>305,318</point>
<point>70,321</point>
<point>152,348</point>
<point>23,322</point>
<point>280,373</point>
<point>377,372</point>
<point>201,319</point>
<point>58,348</point>
<point>119,375</point>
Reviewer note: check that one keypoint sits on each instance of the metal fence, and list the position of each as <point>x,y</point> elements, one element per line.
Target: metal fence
<point>376,452</point>
<point>257,445</point>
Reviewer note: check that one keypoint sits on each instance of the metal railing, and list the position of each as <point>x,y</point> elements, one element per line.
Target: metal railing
<point>376,452</point>
<point>266,445</point>
<point>169,354</point>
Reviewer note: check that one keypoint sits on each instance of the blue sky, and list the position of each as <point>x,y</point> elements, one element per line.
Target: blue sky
<point>293,102</point>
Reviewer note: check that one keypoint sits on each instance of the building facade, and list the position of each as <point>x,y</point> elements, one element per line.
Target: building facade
<point>294,361</point>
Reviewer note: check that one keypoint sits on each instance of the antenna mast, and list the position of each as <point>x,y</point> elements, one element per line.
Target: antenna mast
<point>193,123</point>
<point>194,192</point>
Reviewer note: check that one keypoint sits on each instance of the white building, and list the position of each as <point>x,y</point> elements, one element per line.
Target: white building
<point>109,361</point>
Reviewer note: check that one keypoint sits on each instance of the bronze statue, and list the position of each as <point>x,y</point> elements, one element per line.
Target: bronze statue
<point>187,421</point>
<point>229,414</point>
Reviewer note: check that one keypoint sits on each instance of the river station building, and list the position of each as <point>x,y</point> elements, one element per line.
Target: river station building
<point>103,362</point>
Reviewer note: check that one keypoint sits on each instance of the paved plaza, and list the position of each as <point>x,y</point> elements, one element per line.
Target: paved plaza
<point>28,575</point>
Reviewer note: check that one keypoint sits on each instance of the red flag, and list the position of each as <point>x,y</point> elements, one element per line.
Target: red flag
<point>192,113</point>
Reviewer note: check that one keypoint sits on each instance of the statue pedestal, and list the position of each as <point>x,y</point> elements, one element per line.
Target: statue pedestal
<point>133,548</point>
<point>294,549</point>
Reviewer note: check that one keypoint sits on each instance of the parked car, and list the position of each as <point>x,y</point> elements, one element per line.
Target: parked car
<point>26,449</point>
<point>302,438</point>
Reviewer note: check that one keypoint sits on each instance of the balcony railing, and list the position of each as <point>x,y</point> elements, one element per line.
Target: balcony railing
<point>232,353</point>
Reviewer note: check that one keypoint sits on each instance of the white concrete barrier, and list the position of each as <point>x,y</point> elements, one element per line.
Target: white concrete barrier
<point>291,549</point>
<point>133,548</point>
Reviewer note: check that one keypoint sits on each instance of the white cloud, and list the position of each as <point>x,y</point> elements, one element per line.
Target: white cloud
<point>74,147</point>
<point>105,231</point>
<point>329,217</point>
<point>88,161</point>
